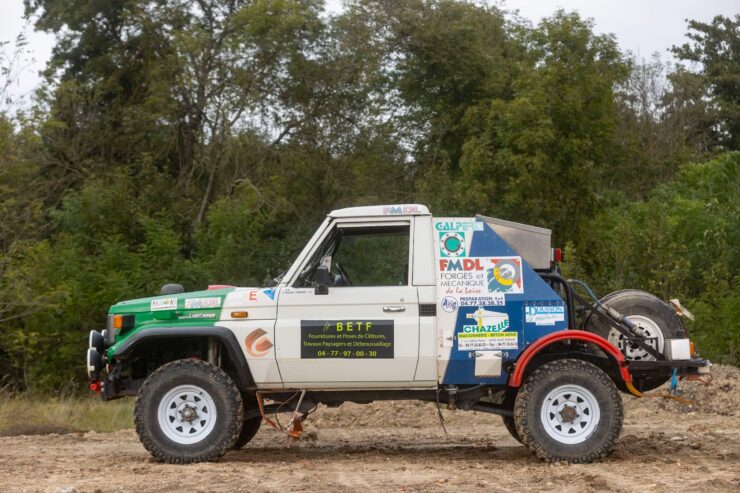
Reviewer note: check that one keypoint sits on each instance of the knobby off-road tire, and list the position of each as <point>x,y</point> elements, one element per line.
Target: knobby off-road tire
<point>569,410</point>
<point>251,425</point>
<point>653,316</point>
<point>188,411</point>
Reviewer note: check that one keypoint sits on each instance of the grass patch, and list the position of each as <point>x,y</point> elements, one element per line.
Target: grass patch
<point>28,415</point>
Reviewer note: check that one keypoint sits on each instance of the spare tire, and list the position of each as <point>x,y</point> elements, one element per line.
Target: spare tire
<point>653,318</point>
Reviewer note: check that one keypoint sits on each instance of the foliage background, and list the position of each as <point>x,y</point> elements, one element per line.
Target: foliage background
<point>202,141</point>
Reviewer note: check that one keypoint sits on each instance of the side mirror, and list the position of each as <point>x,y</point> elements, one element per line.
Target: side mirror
<point>321,279</point>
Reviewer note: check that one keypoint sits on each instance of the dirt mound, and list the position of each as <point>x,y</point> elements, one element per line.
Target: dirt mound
<point>400,446</point>
<point>721,396</point>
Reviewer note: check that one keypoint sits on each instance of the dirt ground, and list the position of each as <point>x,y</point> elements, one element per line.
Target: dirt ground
<point>392,446</point>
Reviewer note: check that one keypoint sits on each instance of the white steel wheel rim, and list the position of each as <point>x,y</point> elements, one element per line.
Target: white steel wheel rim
<point>187,414</point>
<point>645,327</point>
<point>570,414</point>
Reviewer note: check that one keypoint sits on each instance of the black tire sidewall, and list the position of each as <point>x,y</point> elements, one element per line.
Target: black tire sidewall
<point>249,429</point>
<point>510,426</point>
<point>210,379</point>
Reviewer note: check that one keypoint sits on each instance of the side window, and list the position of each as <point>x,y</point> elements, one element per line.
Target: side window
<point>371,256</point>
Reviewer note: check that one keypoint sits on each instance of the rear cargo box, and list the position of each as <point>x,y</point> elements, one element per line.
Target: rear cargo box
<point>531,242</point>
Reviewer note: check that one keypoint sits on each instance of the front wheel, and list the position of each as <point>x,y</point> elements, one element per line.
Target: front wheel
<point>569,410</point>
<point>188,411</point>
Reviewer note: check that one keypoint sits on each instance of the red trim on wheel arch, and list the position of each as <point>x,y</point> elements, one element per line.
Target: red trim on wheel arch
<point>515,380</point>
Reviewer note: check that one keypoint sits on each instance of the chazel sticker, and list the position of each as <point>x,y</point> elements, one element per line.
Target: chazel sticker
<point>490,331</point>
<point>349,339</point>
<point>163,304</point>
<point>544,315</point>
<point>201,303</point>
<point>481,275</point>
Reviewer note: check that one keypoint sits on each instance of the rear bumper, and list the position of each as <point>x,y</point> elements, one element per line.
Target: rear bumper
<point>666,367</point>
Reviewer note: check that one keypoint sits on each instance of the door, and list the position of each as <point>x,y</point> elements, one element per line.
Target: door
<point>363,332</point>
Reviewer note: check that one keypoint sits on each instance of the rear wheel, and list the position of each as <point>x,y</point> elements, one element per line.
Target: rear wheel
<point>188,411</point>
<point>653,317</point>
<point>569,410</point>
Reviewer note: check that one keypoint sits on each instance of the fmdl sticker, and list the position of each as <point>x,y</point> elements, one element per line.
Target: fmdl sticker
<point>544,315</point>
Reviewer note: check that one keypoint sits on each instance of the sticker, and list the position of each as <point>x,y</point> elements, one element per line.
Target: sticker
<point>491,331</point>
<point>544,315</point>
<point>257,343</point>
<point>459,226</point>
<point>495,299</point>
<point>449,304</point>
<point>349,339</point>
<point>260,294</point>
<point>452,244</point>
<point>296,291</point>
<point>506,275</point>
<point>199,315</point>
<point>199,303</point>
<point>492,321</point>
<point>481,275</point>
<point>163,304</point>
<point>401,209</point>
<point>481,341</point>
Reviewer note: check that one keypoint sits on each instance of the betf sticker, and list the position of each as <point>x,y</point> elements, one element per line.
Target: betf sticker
<point>348,339</point>
<point>544,315</point>
<point>202,303</point>
<point>163,304</point>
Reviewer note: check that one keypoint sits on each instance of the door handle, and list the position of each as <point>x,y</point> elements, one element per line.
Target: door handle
<point>394,309</point>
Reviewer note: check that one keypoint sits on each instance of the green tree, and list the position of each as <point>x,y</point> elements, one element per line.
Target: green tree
<point>715,48</point>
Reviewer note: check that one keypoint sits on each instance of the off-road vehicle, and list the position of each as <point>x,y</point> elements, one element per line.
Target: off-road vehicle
<point>388,302</point>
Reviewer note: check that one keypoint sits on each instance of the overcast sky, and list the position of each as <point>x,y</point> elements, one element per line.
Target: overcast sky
<point>641,26</point>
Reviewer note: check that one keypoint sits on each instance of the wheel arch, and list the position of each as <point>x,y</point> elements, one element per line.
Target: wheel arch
<point>138,341</point>
<point>536,354</point>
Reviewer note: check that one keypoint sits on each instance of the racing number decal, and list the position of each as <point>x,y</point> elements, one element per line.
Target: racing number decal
<point>347,339</point>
